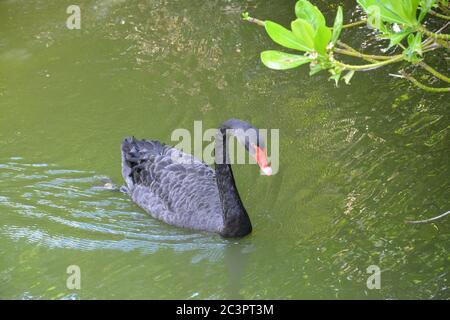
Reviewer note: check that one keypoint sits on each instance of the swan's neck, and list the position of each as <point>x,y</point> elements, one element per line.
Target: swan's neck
<point>236,220</point>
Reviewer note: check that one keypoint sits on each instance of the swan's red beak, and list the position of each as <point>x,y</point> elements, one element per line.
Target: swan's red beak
<point>261,158</point>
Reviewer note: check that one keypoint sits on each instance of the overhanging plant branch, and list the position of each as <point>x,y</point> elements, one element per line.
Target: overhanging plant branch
<point>422,64</point>
<point>444,9</point>
<point>427,67</point>
<point>420,85</point>
<point>442,43</point>
<point>366,67</point>
<point>346,46</point>
<point>439,15</point>
<point>349,48</point>
<point>319,44</point>
<point>246,17</point>
<point>434,72</point>
<point>358,54</point>
<point>354,24</point>
<point>434,35</point>
<point>429,220</point>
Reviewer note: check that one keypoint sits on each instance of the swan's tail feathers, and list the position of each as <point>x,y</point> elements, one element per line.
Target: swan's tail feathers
<point>135,153</point>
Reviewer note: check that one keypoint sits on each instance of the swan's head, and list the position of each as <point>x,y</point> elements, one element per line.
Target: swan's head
<point>252,139</point>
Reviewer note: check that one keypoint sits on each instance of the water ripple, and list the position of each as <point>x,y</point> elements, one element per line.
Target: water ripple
<point>63,208</point>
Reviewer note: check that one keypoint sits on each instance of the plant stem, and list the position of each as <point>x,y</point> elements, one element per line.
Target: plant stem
<point>358,54</point>
<point>434,72</point>
<point>421,85</point>
<point>431,43</point>
<point>443,27</point>
<point>372,66</point>
<point>439,15</point>
<point>431,219</point>
<point>354,24</point>
<point>428,68</point>
<point>444,9</point>
<point>443,43</point>
<point>256,21</point>
<point>441,36</point>
<point>348,48</point>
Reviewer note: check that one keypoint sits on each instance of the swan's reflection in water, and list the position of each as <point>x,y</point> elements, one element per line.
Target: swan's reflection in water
<point>236,257</point>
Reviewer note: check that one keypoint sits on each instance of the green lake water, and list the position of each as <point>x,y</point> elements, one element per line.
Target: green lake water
<point>355,161</point>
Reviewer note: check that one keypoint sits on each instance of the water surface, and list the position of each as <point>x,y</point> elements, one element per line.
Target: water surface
<point>355,162</point>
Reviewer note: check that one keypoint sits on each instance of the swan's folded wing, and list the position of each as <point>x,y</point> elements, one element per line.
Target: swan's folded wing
<point>178,189</point>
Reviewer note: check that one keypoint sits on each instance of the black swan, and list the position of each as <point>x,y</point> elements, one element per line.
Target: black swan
<point>189,193</point>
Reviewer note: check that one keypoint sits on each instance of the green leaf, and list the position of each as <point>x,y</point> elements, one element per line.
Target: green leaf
<point>425,7</point>
<point>304,33</point>
<point>415,42</point>
<point>396,38</point>
<point>414,49</point>
<point>321,39</point>
<point>384,29</point>
<point>377,11</point>
<point>278,60</point>
<point>305,10</point>
<point>406,9</point>
<point>335,75</point>
<point>337,27</point>
<point>392,11</point>
<point>348,76</point>
<point>284,37</point>
<point>314,68</point>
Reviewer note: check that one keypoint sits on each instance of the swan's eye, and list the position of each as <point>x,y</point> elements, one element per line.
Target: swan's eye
<point>261,158</point>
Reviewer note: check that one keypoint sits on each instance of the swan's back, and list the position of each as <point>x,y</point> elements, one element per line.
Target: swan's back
<point>171,185</point>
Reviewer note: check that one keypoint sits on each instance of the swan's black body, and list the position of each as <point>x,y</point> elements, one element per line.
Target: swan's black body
<point>181,190</point>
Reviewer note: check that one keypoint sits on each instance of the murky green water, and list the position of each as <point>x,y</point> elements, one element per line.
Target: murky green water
<point>355,162</point>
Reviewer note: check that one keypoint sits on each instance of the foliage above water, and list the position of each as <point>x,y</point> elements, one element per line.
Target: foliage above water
<point>402,22</point>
